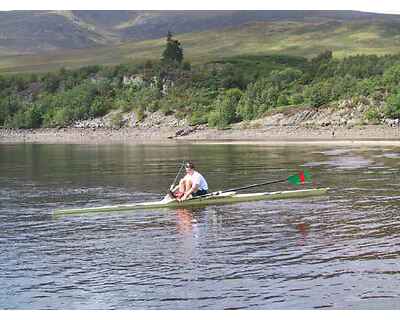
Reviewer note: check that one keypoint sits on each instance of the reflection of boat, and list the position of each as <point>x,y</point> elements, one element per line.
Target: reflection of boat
<point>212,198</point>
<point>185,220</point>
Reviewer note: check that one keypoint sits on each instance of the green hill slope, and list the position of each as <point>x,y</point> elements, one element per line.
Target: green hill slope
<point>24,32</point>
<point>300,38</point>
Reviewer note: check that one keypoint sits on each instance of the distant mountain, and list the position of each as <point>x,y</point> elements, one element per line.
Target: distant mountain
<point>48,40</point>
<point>27,32</point>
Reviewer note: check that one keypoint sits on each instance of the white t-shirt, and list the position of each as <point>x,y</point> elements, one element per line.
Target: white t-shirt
<point>198,179</point>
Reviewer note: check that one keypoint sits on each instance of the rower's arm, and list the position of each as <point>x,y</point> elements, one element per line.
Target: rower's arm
<point>194,188</point>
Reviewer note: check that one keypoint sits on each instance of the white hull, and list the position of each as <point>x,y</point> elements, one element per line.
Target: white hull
<point>213,198</point>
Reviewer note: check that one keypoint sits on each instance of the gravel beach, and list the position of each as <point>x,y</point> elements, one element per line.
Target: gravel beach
<point>372,134</point>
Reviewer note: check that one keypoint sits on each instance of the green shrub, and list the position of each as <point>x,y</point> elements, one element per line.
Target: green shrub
<point>258,98</point>
<point>392,109</point>
<point>116,120</point>
<point>372,115</point>
<point>213,119</point>
<point>246,108</point>
<point>139,113</point>
<point>122,104</point>
<point>51,82</point>
<point>229,104</point>
<point>317,94</point>
<point>56,117</point>
<point>226,108</point>
<point>147,99</point>
<point>186,66</point>
<point>166,108</point>
<point>340,88</point>
<point>232,77</point>
<point>8,107</point>
<point>283,78</point>
<point>99,107</point>
<point>282,100</point>
<point>391,77</point>
<point>198,117</point>
<point>25,119</point>
<point>367,87</point>
<point>296,99</point>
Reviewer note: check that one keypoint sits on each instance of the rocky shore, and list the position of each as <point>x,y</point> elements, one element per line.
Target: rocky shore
<point>373,134</point>
<point>343,124</point>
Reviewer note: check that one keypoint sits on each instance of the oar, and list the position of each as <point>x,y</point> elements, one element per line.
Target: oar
<point>295,179</point>
<point>170,194</point>
<point>179,172</point>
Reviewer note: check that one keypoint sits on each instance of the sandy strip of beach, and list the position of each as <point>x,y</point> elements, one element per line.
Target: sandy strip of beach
<point>363,135</point>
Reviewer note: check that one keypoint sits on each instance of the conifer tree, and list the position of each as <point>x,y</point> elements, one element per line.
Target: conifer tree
<point>173,53</point>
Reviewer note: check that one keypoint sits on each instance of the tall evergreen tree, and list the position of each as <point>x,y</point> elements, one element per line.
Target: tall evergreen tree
<point>173,53</point>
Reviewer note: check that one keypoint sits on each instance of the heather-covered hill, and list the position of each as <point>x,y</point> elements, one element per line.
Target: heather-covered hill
<point>307,38</point>
<point>24,32</point>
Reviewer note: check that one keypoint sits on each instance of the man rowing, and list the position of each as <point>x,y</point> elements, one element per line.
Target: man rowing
<point>192,184</point>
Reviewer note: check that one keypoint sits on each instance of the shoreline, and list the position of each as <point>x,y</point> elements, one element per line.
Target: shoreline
<point>278,135</point>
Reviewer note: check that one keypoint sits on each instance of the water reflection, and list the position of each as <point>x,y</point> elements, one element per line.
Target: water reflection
<point>189,234</point>
<point>304,230</point>
<point>185,221</point>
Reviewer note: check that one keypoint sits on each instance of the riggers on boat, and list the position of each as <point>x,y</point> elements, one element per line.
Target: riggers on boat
<point>210,199</point>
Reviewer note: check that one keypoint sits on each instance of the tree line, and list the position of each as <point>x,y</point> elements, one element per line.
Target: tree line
<point>218,93</point>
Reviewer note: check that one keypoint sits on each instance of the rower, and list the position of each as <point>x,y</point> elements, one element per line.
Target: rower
<point>192,184</point>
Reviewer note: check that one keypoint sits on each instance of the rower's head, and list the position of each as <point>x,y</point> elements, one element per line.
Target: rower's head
<point>189,166</point>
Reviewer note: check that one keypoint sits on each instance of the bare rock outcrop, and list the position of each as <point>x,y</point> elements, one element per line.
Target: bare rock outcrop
<point>117,119</point>
<point>347,113</point>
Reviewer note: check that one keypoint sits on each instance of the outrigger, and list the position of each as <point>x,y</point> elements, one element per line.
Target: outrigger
<point>218,197</point>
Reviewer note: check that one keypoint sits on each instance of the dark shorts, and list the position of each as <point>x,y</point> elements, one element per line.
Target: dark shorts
<point>199,193</point>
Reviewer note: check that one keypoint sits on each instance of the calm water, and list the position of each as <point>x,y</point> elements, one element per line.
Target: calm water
<point>337,251</point>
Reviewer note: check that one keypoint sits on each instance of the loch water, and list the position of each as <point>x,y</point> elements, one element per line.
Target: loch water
<point>338,251</point>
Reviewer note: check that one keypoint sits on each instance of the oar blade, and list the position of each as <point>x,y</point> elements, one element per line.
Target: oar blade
<point>300,178</point>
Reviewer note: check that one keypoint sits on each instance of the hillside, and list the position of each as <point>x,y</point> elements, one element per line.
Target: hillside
<point>24,32</point>
<point>306,38</point>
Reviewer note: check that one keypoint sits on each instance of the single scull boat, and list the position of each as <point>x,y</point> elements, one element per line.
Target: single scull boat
<point>212,198</point>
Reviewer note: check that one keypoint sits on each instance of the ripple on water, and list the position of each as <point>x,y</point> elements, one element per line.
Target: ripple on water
<point>337,251</point>
<point>391,155</point>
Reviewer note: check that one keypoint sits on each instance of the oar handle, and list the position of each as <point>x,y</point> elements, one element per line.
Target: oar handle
<point>255,185</point>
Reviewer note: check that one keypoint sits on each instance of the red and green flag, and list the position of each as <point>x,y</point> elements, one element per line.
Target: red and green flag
<point>300,178</point>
